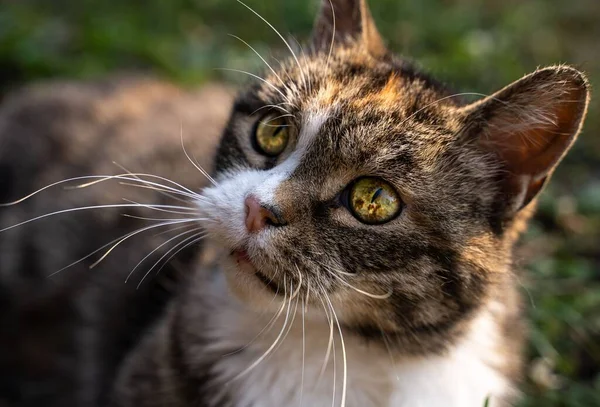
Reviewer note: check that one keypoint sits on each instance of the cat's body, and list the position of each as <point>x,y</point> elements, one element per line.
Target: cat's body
<point>363,220</point>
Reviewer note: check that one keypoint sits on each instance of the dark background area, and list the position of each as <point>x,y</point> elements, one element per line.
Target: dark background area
<point>474,45</point>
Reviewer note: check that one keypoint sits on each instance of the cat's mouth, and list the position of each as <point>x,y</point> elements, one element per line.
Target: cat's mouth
<point>245,264</point>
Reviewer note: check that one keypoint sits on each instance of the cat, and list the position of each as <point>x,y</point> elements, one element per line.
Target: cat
<point>360,228</point>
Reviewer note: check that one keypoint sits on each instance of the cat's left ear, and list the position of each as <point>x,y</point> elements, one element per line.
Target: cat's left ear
<point>529,126</point>
<point>346,21</point>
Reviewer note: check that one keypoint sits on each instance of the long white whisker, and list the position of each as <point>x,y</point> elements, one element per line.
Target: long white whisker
<point>158,248</point>
<point>329,343</point>
<point>441,100</point>
<point>196,238</point>
<point>175,222</point>
<point>108,244</point>
<point>335,274</point>
<point>137,175</point>
<point>270,349</point>
<point>291,322</point>
<point>358,290</point>
<point>280,36</point>
<point>303,348</point>
<point>155,208</point>
<point>271,106</point>
<point>260,79</point>
<point>332,35</point>
<point>97,179</point>
<point>345,378</point>
<point>262,59</point>
<point>165,192</point>
<point>126,215</point>
<point>197,166</point>
<point>84,208</point>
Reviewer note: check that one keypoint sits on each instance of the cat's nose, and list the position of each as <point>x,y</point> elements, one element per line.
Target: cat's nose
<point>259,216</point>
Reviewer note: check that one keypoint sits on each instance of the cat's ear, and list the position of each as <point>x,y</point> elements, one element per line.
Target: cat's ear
<point>529,126</point>
<point>343,21</point>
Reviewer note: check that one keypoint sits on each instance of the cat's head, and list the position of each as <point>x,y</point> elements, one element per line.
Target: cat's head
<point>347,173</point>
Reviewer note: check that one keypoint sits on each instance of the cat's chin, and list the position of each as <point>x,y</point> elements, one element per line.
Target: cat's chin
<point>247,282</point>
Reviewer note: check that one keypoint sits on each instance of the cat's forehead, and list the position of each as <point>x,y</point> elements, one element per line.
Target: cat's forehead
<point>352,82</point>
<point>362,113</point>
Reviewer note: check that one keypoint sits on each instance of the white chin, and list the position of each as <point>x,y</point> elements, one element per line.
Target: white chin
<point>245,285</point>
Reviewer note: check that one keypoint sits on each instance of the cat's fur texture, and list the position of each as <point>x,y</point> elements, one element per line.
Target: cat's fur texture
<point>420,311</point>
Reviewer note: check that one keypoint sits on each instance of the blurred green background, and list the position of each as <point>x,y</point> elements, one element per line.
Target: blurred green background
<point>474,45</point>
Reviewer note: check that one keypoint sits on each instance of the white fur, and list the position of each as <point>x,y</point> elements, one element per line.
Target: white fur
<point>462,378</point>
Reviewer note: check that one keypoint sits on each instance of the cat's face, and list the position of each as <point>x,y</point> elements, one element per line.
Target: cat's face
<point>354,178</point>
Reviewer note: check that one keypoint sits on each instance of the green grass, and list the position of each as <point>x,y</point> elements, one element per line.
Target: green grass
<point>475,45</point>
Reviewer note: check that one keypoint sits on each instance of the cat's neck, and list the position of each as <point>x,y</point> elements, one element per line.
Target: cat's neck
<point>284,363</point>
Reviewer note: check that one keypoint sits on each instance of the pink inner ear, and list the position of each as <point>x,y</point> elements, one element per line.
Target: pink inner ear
<point>535,126</point>
<point>529,126</point>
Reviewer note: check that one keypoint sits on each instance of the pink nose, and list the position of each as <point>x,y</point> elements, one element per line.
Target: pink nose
<point>258,216</point>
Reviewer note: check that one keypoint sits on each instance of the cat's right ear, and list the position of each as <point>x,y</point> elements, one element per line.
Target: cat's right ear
<point>346,21</point>
<point>529,126</point>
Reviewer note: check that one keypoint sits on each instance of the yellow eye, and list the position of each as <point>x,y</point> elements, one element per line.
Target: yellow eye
<point>271,135</point>
<point>373,201</point>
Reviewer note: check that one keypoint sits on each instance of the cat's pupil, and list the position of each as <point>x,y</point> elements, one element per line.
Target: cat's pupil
<point>376,194</point>
<point>373,200</point>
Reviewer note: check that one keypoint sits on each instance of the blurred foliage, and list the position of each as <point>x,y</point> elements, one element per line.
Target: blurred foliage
<point>475,45</point>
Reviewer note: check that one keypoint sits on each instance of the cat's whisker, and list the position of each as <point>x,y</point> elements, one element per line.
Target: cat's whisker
<point>334,354</point>
<point>137,175</point>
<point>358,290</point>
<point>195,164</point>
<point>112,242</point>
<point>267,124</point>
<point>273,107</point>
<point>193,211</point>
<point>167,192</point>
<point>291,323</point>
<point>332,36</point>
<point>275,342</point>
<point>345,359</point>
<point>92,207</point>
<point>266,63</point>
<point>330,343</point>
<point>158,248</point>
<point>158,185</point>
<point>299,283</point>
<point>304,59</point>
<point>260,79</point>
<point>334,273</point>
<point>172,230</point>
<point>304,301</point>
<point>163,189</point>
<point>441,100</point>
<point>175,222</point>
<point>175,254</point>
<point>280,36</point>
<point>189,240</point>
<point>97,179</point>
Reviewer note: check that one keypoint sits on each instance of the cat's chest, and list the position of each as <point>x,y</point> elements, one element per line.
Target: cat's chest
<point>306,368</point>
<point>306,364</point>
